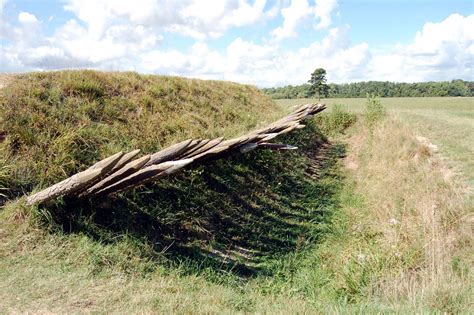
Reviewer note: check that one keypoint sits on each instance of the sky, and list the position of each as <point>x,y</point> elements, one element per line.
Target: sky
<point>265,43</point>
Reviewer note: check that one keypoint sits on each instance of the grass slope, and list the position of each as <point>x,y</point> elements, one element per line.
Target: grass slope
<point>54,124</point>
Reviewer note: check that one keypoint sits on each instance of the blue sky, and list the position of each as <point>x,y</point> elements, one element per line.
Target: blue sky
<point>267,43</point>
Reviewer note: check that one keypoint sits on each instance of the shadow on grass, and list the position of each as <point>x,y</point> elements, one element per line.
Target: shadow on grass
<point>232,215</point>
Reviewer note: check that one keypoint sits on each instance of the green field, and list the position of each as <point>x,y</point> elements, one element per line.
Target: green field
<point>362,218</point>
<point>448,122</point>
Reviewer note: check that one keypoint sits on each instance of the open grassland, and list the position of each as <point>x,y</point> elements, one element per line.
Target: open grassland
<point>361,219</point>
<point>448,122</point>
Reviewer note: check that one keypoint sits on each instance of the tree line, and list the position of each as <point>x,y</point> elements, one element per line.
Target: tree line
<point>379,88</point>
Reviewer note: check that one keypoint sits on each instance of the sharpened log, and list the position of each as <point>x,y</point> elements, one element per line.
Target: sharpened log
<point>142,176</point>
<point>288,129</point>
<point>268,137</point>
<point>66,187</point>
<point>125,159</point>
<point>205,148</point>
<point>175,166</point>
<point>194,148</point>
<point>234,142</point>
<point>211,152</point>
<point>108,163</point>
<point>248,147</point>
<point>125,171</point>
<point>169,152</point>
<point>276,146</point>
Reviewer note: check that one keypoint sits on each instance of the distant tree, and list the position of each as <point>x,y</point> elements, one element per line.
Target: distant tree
<point>382,89</point>
<point>318,83</point>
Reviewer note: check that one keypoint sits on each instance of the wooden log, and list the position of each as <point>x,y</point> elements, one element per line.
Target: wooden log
<point>66,187</point>
<point>211,152</point>
<point>77,182</point>
<point>276,146</point>
<point>169,152</point>
<point>125,171</point>
<point>288,129</point>
<point>234,142</point>
<point>268,137</point>
<point>248,147</point>
<point>205,148</point>
<point>176,165</point>
<point>108,163</point>
<point>125,159</point>
<point>142,176</point>
<point>194,148</point>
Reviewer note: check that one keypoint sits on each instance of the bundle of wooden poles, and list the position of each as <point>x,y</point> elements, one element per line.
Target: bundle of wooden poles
<point>124,171</point>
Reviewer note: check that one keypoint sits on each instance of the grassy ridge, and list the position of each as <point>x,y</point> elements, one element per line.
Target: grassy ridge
<point>54,124</point>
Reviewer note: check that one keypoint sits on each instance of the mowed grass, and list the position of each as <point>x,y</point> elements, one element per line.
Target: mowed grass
<point>346,224</point>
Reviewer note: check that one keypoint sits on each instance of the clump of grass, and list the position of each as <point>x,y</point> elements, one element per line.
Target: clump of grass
<point>337,121</point>
<point>374,110</point>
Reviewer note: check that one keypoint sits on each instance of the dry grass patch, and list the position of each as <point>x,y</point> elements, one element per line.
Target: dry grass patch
<point>419,217</point>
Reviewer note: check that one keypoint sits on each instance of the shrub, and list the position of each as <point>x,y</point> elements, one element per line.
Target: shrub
<point>336,121</point>
<point>374,110</point>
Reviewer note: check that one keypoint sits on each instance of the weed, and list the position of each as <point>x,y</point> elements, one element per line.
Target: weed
<point>374,110</point>
<point>337,121</point>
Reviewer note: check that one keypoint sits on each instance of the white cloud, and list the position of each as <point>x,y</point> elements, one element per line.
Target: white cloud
<point>323,11</point>
<point>265,64</point>
<point>124,35</point>
<point>27,18</point>
<point>196,18</point>
<point>439,51</point>
<point>2,4</point>
<point>300,11</point>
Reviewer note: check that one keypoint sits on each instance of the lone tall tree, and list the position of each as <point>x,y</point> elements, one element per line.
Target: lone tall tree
<point>318,83</point>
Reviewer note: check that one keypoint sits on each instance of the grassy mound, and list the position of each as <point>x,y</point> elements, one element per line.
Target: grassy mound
<point>56,123</point>
<point>239,214</point>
